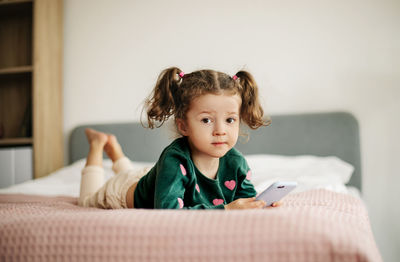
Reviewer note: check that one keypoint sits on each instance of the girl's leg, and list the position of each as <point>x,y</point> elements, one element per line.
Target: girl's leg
<point>118,191</point>
<point>114,151</point>
<point>113,148</point>
<point>97,142</point>
<point>93,174</point>
<point>120,164</point>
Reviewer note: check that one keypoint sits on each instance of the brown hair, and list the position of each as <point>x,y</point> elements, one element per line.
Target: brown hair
<point>172,94</point>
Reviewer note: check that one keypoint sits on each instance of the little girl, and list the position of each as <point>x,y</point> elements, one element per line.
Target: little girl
<point>201,169</point>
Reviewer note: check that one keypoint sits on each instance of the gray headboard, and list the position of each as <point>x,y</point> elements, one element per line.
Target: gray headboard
<point>321,134</point>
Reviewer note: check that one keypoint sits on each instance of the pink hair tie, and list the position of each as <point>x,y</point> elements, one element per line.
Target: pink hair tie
<point>181,74</point>
<point>234,77</point>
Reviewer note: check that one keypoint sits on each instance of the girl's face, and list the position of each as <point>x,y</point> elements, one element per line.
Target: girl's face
<point>212,125</point>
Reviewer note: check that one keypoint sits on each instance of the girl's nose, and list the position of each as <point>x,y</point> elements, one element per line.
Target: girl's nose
<point>219,129</point>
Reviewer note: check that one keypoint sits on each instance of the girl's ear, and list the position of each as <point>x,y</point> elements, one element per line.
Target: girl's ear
<point>181,125</point>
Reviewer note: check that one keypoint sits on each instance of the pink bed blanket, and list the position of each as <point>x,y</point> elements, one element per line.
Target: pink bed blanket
<point>316,225</point>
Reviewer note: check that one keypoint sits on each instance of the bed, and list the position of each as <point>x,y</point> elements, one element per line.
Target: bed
<point>324,219</point>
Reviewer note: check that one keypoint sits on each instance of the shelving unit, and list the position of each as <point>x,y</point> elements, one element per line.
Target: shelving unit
<point>31,80</point>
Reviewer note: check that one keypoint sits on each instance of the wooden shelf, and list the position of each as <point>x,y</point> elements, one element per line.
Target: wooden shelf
<point>18,141</point>
<point>31,80</point>
<point>16,70</point>
<point>10,2</point>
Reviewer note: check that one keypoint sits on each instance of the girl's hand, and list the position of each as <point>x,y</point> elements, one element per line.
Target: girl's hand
<point>245,203</point>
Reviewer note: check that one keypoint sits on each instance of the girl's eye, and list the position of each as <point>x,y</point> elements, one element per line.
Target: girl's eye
<point>230,120</point>
<point>206,120</point>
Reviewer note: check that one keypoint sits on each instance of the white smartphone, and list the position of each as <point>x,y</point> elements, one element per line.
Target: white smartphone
<point>276,192</point>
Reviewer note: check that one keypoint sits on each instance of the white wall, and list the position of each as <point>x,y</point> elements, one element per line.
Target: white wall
<point>305,55</point>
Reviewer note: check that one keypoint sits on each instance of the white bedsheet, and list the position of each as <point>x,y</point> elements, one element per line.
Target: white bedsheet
<point>310,172</point>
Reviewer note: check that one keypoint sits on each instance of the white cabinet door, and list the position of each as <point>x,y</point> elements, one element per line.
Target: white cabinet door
<point>6,167</point>
<point>15,165</point>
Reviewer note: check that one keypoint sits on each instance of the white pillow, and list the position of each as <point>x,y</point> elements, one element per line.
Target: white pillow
<point>308,171</point>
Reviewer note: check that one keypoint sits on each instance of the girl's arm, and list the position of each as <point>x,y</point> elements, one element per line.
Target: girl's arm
<point>245,203</point>
<point>245,188</point>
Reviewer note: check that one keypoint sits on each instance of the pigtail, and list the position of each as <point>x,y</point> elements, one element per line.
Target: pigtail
<point>160,105</point>
<point>251,110</point>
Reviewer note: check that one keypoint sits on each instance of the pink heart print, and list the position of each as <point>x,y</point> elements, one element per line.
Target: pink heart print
<point>248,176</point>
<point>218,201</point>
<point>183,170</point>
<point>180,201</point>
<point>230,184</point>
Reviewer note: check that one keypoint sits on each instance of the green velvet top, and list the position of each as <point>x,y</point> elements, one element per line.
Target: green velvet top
<point>175,182</point>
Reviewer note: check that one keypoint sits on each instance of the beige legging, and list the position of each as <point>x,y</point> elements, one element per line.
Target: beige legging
<point>112,194</point>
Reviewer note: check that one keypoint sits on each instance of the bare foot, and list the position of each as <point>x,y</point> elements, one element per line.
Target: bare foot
<point>113,148</point>
<point>96,138</point>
